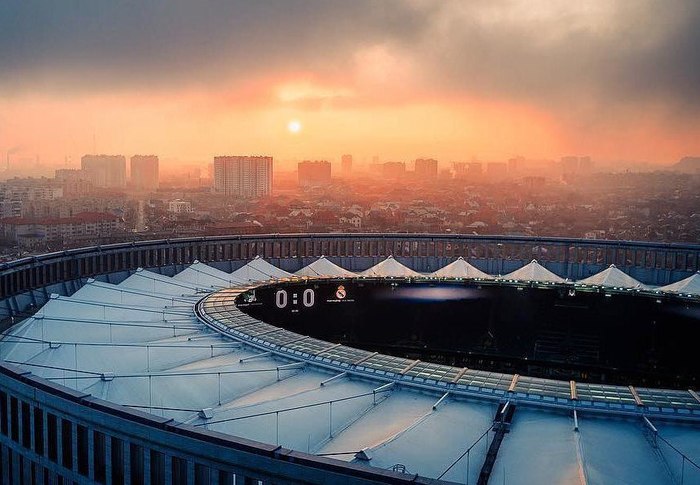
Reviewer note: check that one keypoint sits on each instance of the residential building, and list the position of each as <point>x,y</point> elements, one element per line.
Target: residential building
<point>34,231</point>
<point>179,206</point>
<point>144,172</point>
<point>243,176</point>
<point>426,169</point>
<point>105,171</point>
<point>346,165</point>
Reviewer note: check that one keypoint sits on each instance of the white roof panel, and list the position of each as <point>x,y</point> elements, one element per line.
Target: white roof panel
<point>618,451</point>
<point>612,277</point>
<point>432,444</point>
<point>258,270</point>
<point>689,285</point>
<point>540,448</point>
<point>204,275</point>
<point>390,267</point>
<point>534,271</point>
<point>325,267</point>
<point>460,269</point>
<point>157,283</point>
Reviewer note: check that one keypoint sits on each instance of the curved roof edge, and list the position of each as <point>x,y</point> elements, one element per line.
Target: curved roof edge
<point>472,383</point>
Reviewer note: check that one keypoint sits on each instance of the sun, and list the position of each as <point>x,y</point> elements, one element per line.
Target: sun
<point>294,126</point>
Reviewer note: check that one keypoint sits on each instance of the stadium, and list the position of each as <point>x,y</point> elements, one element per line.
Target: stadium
<point>363,358</point>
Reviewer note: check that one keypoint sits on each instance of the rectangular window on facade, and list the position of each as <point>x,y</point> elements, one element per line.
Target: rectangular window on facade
<point>157,468</point>
<point>52,436</point>
<point>179,470</point>
<point>14,416</point>
<point>67,443</point>
<point>202,474</point>
<point>10,474</point>
<point>26,425</point>
<point>3,413</point>
<point>136,464</point>
<point>226,478</point>
<point>117,460</point>
<point>83,450</point>
<point>39,431</point>
<point>100,448</point>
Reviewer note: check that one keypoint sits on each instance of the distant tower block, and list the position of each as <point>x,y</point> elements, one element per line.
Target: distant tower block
<point>106,171</point>
<point>144,172</point>
<point>242,176</point>
<point>346,165</point>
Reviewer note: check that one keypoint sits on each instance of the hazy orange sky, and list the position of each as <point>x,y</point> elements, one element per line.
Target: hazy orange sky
<point>399,79</point>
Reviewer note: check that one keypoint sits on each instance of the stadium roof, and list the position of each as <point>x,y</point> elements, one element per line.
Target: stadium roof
<point>390,267</point>
<point>257,270</point>
<point>204,275</point>
<point>459,268</point>
<point>534,271</point>
<point>138,343</point>
<point>689,285</point>
<point>611,277</point>
<point>324,267</point>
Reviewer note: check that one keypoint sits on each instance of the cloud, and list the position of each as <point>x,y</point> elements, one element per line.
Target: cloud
<point>618,74</point>
<point>545,52</point>
<point>103,44</point>
<point>609,51</point>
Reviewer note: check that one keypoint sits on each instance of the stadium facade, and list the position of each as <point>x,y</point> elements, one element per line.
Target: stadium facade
<point>135,363</point>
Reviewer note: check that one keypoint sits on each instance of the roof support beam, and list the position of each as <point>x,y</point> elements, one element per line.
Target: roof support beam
<point>294,341</point>
<point>331,379</point>
<point>636,397</point>
<point>327,349</point>
<point>365,358</point>
<point>409,367</point>
<point>459,375</point>
<point>440,401</point>
<point>572,390</point>
<point>650,425</point>
<point>513,382</point>
<point>256,356</point>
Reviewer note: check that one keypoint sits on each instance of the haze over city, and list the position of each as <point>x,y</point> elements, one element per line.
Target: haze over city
<point>311,80</point>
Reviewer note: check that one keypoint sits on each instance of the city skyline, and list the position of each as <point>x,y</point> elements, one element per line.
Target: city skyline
<point>402,80</point>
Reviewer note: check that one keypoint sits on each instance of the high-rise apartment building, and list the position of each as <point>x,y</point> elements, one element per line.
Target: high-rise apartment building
<point>243,176</point>
<point>316,173</point>
<point>426,169</point>
<point>106,171</point>
<point>346,165</point>
<point>144,172</point>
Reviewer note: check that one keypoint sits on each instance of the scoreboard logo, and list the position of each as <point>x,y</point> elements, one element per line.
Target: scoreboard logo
<point>340,293</point>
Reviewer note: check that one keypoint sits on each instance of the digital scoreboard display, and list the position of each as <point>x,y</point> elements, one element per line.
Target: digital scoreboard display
<point>296,298</point>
